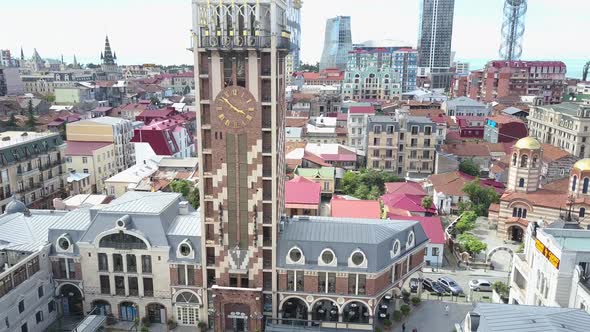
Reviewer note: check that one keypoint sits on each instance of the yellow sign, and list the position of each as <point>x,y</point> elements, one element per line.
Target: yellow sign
<point>547,253</point>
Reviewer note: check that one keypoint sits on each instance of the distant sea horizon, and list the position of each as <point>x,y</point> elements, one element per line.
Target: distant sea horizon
<point>575,67</point>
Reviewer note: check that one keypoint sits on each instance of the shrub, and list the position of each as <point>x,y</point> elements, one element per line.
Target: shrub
<point>405,309</point>
<point>397,315</point>
<point>387,323</point>
<point>144,329</point>
<point>416,300</point>
<point>378,329</point>
<point>501,288</point>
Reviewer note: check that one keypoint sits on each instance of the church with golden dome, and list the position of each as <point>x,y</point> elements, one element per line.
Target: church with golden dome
<point>526,199</point>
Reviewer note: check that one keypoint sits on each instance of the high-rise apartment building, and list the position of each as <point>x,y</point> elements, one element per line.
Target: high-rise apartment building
<point>294,28</point>
<point>434,41</point>
<point>337,43</point>
<point>240,74</point>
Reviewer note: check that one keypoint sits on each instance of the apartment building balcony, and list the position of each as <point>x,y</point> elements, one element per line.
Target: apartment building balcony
<point>23,173</point>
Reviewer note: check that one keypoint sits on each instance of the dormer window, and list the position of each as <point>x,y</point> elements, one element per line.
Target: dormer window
<point>295,256</point>
<point>327,258</point>
<point>185,249</point>
<point>411,240</point>
<point>395,250</point>
<point>63,243</point>
<point>357,259</point>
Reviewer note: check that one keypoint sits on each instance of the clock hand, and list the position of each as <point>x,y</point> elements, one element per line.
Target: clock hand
<point>237,110</point>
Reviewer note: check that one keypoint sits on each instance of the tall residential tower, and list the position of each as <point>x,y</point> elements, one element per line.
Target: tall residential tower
<point>239,52</point>
<point>337,43</point>
<point>434,41</point>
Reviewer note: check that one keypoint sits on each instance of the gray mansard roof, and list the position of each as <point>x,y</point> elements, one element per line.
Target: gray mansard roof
<point>374,237</point>
<point>155,216</point>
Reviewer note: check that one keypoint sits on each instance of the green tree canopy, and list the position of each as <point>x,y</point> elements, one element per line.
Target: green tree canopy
<point>480,198</point>
<point>310,67</point>
<point>11,121</point>
<point>427,202</point>
<point>367,184</point>
<point>468,166</point>
<point>31,120</point>
<point>188,190</point>
<point>471,244</point>
<point>466,223</point>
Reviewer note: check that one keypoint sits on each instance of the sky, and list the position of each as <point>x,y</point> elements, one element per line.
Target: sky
<point>157,31</point>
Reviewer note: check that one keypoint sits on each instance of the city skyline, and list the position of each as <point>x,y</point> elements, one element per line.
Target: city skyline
<point>132,37</point>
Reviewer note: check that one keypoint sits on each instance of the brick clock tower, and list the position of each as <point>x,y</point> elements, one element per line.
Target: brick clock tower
<point>239,51</point>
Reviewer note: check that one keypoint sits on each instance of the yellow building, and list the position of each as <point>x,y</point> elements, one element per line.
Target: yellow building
<point>94,158</point>
<point>106,129</point>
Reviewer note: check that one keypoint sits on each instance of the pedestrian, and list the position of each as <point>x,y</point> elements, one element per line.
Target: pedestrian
<point>415,330</point>
<point>403,327</point>
<point>447,310</point>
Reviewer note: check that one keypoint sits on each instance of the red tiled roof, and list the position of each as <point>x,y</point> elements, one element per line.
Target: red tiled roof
<point>342,117</point>
<point>452,183</point>
<point>302,191</point>
<point>504,119</point>
<point>406,202</point>
<point>78,148</point>
<point>160,113</point>
<point>361,110</point>
<point>552,153</point>
<point>411,188</point>
<point>432,227</point>
<point>355,208</point>
<point>314,158</point>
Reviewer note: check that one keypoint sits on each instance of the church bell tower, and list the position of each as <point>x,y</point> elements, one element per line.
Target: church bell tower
<point>239,56</point>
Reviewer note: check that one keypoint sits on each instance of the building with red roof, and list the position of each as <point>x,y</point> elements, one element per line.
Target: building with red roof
<point>167,137</point>
<point>302,197</point>
<point>148,116</point>
<point>400,204</point>
<point>353,208</point>
<point>434,231</point>
<point>411,188</point>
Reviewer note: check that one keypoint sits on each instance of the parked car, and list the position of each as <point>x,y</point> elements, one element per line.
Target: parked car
<point>480,285</point>
<point>432,286</point>
<point>414,282</point>
<point>450,285</point>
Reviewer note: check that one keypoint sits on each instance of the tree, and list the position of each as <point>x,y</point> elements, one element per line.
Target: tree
<point>501,288</point>
<point>50,98</point>
<point>310,67</point>
<point>188,190</point>
<point>11,123</point>
<point>468,166</point>
<point>466,223</point>
<point>480,198</point>
<point>367,184</point>
<point>181,186</point>
<point>155,101</point>
<point>471,244</point>
<point>31,121</point>
<point>427,202</point>
<point>92,66</point>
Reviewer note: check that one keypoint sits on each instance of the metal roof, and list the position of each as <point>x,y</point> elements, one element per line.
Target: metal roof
<point>374,237</point>
<point>186,225</point>
<point>496,317</point>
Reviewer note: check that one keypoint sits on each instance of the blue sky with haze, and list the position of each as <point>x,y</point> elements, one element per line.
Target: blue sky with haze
<point>157,31</point>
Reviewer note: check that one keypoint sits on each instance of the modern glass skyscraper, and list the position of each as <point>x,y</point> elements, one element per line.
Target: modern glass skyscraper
<point>434,41</point>
<point>337,43</point>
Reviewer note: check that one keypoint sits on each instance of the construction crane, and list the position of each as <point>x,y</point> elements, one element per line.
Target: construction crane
<point>585,71</point>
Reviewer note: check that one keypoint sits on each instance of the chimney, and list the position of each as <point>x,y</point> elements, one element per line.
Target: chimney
<point>183,208</point>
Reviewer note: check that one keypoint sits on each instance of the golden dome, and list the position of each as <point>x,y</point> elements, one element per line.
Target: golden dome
<point>530,143</point>
<point>582,165</point>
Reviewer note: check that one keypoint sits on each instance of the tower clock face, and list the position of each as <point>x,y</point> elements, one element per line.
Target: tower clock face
<point>235,107</point>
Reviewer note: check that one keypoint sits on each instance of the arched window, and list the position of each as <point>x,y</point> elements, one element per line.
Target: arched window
<point>534,164</point>
<point>515,212</point>
<point>122,240</point>
<point>582,212</point>
<point>523,160</point>
<point>519,214</point>
<point>585,186</point>
<point>514,159</point>
<point>521,183</point>
<point>523,213</point>
<point>574,183</point>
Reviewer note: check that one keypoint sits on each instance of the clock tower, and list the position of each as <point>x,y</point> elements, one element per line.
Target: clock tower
<point>239,51</point>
